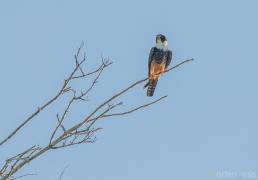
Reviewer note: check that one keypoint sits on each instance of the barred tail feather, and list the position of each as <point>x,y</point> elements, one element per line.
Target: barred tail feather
<point>151,88</point>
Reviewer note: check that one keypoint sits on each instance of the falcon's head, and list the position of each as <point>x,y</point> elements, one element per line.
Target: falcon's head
<point>161,41</point>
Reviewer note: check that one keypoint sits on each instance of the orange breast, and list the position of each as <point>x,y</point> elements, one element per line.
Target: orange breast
<point>156,69</point>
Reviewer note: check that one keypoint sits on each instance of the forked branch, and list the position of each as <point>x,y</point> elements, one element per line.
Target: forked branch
<point>81,132</point>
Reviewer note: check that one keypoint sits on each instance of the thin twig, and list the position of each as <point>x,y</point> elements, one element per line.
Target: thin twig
<point>63,171</point>
<point>22,176</point>
<point>130,111</point>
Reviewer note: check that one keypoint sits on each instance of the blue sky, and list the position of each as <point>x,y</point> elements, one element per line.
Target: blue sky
<point>207,124</point>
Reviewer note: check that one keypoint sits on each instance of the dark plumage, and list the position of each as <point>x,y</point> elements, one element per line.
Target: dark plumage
<point>159,59</point>
<point>159,56</point>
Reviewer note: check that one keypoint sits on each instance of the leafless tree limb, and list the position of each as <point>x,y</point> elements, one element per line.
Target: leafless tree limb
<point>80,132</point>
<point>60,92</point>
<point>132,110</point>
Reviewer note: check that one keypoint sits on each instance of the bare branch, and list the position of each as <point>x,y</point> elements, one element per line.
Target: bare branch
<point>66,82</point>
<point>75,98</point>
<point>176,66</point>
<point>130,111</point>
<point>81,132</point>
<point>79,137</point>
<point>93,72</point>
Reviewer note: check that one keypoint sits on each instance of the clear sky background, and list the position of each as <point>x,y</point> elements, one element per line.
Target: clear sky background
<point>207,124</point>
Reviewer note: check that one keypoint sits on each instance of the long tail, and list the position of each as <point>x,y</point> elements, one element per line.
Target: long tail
<point>152,86</point>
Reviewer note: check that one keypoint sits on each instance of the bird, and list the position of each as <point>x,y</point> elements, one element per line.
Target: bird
<point>160,58</point>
